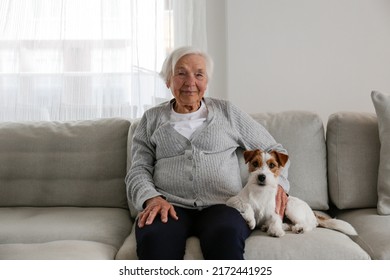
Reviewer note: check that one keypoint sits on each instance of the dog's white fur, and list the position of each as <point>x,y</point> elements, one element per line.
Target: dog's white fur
<point>257,200</point>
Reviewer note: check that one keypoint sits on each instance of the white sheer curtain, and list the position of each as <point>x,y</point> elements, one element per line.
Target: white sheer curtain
<point>84,59</point>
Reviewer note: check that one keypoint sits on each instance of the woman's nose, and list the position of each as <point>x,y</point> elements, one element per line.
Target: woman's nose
<point>190,80</point>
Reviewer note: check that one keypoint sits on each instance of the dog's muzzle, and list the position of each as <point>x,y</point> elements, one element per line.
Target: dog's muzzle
<point>261,179</point>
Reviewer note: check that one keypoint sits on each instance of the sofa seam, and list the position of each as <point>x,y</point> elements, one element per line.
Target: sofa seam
<point>337,159</point>
<point>368,248</point>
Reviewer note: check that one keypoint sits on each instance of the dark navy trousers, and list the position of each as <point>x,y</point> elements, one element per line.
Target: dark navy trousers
<point>221,229</point>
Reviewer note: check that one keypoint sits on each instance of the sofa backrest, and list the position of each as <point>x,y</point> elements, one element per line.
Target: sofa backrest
<point>77,163</point>
<point>302,134</point>
<point>353,159</point>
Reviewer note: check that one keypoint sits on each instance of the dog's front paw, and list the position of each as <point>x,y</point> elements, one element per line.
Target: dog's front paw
<point>275,231</point>
<point>251,223</point>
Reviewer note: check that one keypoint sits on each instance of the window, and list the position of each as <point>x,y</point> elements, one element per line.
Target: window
<point>83,59</point>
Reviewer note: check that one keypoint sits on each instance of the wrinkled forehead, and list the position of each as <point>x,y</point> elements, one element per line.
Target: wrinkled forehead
<point>191,61</point>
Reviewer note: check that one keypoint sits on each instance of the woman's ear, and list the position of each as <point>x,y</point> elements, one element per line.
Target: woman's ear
<point>168,83</point>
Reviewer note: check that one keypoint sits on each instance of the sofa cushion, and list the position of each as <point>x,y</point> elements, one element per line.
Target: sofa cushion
<point>373,231</point>
<point>43,226</point>
<point>382,108</point>
<point>58,250</point>
<point>302,134</point>
<point>353,159</point>
<point>78,163</point>
<point>320,244</point>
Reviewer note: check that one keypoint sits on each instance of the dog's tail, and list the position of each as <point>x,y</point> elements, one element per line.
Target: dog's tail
<point>326,221</point>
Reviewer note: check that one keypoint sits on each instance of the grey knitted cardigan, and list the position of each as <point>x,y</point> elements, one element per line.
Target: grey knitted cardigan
<point>196,172</point>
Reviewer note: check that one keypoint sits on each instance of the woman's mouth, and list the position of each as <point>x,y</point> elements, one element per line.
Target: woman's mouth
<point>188,92</point>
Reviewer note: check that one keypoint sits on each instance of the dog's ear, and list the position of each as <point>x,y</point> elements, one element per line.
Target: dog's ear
<point>280,158</point>
<point>250,154</point>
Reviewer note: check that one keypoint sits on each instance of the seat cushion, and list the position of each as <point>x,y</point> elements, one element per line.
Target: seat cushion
<point>108,227</point>
<point>373,230</point>
<point>58,250</point>
<point>319,244</point>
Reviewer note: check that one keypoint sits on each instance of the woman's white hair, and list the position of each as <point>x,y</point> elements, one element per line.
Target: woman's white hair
<point>171,60</point>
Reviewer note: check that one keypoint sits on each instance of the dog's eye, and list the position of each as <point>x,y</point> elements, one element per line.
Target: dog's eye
<point>255,164</point>
<point>271,165</point>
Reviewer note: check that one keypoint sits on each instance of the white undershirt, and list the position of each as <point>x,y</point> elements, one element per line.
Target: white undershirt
<point>186,124</point>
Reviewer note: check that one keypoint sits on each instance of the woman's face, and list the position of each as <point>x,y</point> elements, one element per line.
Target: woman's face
<point>188,83</point>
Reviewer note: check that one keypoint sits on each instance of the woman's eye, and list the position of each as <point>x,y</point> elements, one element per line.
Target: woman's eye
<point>200,75</point>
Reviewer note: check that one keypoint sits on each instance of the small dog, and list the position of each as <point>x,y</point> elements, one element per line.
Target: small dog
<point>257,200</point>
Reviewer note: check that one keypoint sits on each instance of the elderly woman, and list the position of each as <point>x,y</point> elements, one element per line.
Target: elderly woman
<point>185,166</point>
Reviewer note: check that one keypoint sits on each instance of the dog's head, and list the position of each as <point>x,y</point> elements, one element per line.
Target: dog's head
<point>265,167</point>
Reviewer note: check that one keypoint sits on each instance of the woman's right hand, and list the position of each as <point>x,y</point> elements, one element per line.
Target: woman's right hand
<point>153,207</point>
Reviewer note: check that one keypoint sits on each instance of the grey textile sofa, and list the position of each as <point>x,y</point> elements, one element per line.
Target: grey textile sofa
<point>62,192</point>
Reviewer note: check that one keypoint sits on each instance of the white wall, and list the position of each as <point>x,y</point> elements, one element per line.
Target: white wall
<point>318,55</point>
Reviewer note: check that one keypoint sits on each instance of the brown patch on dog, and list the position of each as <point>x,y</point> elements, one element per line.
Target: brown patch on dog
<point>281,158</point>
<point>255,158</point>
<point>321,217</point>
<point>273,165</point>
<point>250,154</point>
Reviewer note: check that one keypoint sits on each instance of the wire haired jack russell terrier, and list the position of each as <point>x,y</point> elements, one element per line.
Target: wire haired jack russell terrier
<point>257,200</point>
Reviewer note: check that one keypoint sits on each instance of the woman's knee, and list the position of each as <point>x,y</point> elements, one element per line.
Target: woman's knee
<point>162,240</point>
<point>225,237</point>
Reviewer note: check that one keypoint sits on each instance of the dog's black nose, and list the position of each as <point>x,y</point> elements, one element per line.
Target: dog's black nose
<point>261,178</point>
